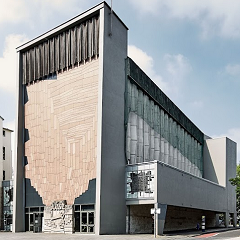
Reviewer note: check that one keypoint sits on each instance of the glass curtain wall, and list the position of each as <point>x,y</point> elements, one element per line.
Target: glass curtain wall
<point>152,134</point>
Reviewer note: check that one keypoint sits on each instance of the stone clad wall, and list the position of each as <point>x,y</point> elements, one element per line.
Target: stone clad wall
<point>61,119</point>
<point>141,220</point>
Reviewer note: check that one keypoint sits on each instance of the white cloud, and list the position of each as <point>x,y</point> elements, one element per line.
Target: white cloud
<point>177,68</point>
<point>233,69</point>
<point>29,11</point>
<point>49,8</point>
<point>8,62</point>
<point>197,105</point>
<point>218,17</point>
<point>146,63</point>
<point>13,11</point>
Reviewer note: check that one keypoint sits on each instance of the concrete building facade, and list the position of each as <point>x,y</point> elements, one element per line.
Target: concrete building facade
<point>99,144</point>
<point>5,152</point>
<point>6,172</point>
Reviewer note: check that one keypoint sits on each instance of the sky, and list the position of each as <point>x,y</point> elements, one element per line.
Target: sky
<point>189,48</point>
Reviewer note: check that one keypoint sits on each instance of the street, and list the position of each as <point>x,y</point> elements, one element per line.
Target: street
<point>234,234</point>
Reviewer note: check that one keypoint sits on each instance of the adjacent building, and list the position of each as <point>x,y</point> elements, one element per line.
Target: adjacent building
<point>99,144</point>
<point>6,200</point>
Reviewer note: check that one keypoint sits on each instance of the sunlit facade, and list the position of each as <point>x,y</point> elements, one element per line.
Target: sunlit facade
<point>101,144</point>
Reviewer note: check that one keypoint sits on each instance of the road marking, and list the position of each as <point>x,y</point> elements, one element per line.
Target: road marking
<point>208,235</point>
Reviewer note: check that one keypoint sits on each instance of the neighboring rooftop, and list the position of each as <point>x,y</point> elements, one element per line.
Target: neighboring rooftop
<point>7,129</point>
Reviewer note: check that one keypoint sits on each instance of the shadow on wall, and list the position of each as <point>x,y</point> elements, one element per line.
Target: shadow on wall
<point>181,218</point>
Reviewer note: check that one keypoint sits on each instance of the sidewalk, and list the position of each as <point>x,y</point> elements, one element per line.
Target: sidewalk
<point>51,236</point>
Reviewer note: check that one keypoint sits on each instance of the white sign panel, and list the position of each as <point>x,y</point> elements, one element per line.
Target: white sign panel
<point>158,210</point>
<point>155,210</point>
<point>152,210</point>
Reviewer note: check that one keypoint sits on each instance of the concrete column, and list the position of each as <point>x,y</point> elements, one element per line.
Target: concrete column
<point>161,217</point>
<point>19,166</point>
<point>226,219</point>
<point>217,220</point>
<point>234,216</point>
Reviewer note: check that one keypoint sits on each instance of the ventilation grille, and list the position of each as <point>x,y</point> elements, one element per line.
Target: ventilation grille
<point>66,50</point>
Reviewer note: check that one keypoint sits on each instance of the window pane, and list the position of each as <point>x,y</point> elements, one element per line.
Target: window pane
<point>84,229</point>
<point>91,218</point>
<point>87,207</point>
<point>31,218</point>
<point>77,207</point>
<point>77,221</point>
<point>84,218</point>
<point>91,229</point>
<point>27,222</point>
<point>35,209</point>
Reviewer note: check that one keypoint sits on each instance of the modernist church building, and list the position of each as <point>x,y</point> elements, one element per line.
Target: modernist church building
<point>99,144</point>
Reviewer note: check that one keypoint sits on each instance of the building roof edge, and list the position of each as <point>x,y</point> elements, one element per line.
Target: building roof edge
<point>66,25</point>
<point>8,129</point>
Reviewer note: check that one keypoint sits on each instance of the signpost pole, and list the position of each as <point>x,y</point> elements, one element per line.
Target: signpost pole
<point>203,223</point>
<point>155,227</point>
<point>155,212</point>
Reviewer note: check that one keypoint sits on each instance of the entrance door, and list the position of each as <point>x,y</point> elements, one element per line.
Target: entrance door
<point>33,219</point>
<point>87,222</point>
<point>37,223</point>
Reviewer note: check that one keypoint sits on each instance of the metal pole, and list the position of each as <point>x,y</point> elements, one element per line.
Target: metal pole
<point>155,234</point>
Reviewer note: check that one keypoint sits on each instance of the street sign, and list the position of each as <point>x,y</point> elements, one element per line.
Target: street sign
<point>158,210</point>
<point>155,210</point>
<point>152,210</point>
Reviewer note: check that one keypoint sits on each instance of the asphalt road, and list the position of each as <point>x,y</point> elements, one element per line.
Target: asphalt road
<point>234,234</point>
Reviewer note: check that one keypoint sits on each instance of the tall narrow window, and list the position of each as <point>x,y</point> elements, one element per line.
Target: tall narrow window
<point>3,153</point>
<point>4,133</point>
<point>3,175</point>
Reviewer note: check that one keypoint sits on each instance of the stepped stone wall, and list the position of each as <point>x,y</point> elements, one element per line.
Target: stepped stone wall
<point>61,122</point>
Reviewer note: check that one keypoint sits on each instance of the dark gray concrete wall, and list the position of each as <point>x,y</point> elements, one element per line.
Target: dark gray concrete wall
<point>110,201</point>
<point>178,188</point>
<point>19,185</point>
<point>88,197</point>
<point>231,156</point>
<point>32,197</point>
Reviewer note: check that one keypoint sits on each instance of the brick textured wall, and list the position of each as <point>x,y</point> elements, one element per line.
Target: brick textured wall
<point>61,117</point>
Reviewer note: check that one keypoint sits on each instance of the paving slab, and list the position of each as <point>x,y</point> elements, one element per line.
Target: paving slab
<point>54,236</point>
<point>183,235</point>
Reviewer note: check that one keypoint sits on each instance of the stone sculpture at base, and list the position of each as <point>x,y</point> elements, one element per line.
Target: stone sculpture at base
<point>58,218</point>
